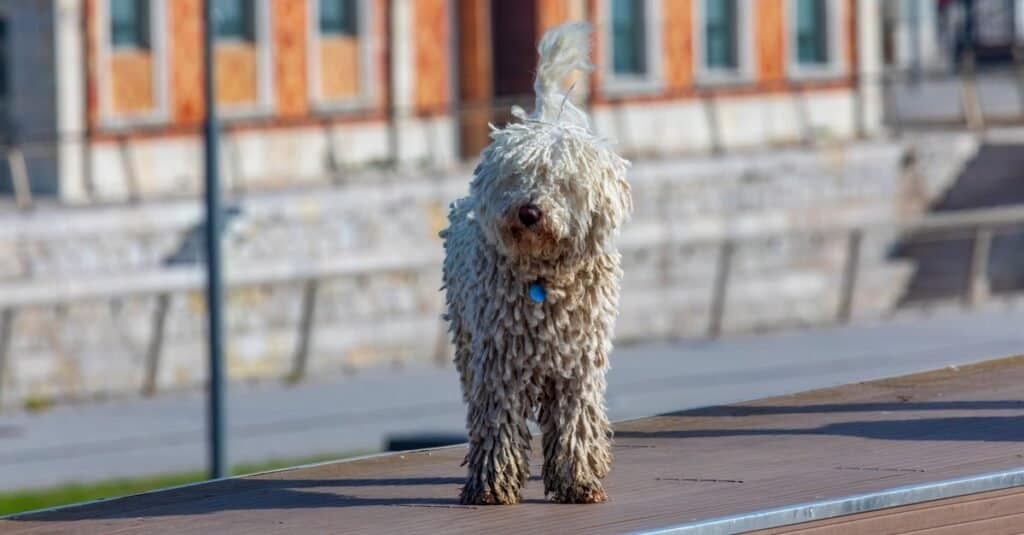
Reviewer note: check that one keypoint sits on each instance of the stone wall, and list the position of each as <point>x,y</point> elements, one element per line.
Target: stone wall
<point>784,272</point>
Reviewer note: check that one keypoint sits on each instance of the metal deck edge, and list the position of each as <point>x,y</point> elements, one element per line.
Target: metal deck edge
<point>858,503</point>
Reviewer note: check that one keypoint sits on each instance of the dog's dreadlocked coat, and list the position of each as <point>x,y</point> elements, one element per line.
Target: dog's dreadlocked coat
<point>532,279</point>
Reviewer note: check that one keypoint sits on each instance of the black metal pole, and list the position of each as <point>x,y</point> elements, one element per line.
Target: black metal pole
<point>214,283</point>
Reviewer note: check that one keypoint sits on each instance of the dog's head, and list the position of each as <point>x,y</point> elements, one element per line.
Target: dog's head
<point>547,190</point>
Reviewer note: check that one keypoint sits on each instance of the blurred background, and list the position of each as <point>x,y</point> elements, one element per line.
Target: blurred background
<point>826,191</point>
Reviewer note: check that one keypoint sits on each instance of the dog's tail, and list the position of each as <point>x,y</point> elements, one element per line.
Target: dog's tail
<point>562,50</point>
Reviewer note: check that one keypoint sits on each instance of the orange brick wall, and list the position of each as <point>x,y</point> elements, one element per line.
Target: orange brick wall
<point>290,21</point>
<point>474,50</point>
<point>185,55</point>
<point>92,95</point>
<point>551,13</point>
<point>850,27</point>
<point>677,38</point>
<point>432,43</point>
<point>381,35</point>
<point>770,41</point>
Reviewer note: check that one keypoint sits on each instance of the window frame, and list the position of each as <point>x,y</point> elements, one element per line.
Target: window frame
<point>836,64</point>
<point>160,113</point>
<point>368,90</point>
<point>652,81</point>
<point>744,71</point>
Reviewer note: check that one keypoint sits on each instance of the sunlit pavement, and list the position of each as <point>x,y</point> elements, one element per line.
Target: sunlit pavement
<point>356,413</point>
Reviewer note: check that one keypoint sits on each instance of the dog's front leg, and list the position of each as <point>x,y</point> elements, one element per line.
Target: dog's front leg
<point>577,448</point>
<point>499,442</point>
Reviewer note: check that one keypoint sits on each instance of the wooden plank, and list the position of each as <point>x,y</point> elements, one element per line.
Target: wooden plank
<point>670,470</point>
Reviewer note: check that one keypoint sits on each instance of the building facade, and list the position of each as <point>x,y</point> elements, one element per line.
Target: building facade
<point>110,99</point>
<point>933,35</point>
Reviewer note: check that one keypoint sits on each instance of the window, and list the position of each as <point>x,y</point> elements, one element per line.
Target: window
<point>340,63</point>
<point>129,23</point>
<point>629,41</point>
<point>234,20</point>
<point>632,47</point>
<point>812,32</point>
<point>338,17</point>
<point>721,35</point>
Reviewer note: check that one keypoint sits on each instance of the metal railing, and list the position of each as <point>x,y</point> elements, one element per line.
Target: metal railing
<point>312,276</point>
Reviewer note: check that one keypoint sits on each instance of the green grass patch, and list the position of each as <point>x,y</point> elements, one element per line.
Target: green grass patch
<point>29,500</point>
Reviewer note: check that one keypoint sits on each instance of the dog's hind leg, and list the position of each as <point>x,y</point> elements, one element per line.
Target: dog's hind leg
<point>577,447</point>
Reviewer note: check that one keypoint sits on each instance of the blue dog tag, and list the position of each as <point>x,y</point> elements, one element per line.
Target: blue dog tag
<point>538,293</point>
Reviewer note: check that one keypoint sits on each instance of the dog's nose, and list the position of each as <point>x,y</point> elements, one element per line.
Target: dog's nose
<point>529,215</point>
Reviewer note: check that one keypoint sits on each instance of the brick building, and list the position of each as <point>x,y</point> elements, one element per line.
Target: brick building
<point>105,96</point>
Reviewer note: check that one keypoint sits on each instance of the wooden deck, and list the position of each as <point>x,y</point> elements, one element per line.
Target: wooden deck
<point>717,470</point>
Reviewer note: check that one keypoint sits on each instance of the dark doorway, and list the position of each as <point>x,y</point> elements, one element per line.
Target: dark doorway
<point>497,61</point>
<point>514,46</point>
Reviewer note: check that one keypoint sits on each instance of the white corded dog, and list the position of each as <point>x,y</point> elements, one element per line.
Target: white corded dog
<point>532,278</point>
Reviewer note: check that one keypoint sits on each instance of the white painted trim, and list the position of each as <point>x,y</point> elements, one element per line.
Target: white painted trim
<point>403,58</point>
<point>869,63</point>
<point>653,81</point>
<point>69,35</point>
<point>158,51</point>
<point>836,65</point>
<point>745,32</point>
<point>367,72</point>
<point>263,37</point>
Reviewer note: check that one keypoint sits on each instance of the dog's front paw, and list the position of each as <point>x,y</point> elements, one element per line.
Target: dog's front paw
<point>581,493</point>
<point>486,497</point>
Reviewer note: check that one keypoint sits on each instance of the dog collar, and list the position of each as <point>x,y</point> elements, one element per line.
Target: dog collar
<point>537,292</point>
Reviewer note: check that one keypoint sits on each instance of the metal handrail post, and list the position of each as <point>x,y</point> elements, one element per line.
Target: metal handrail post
<point>214,281</point>
<point>977,276</point>
<point>720,290</point>
<point>848,285</point>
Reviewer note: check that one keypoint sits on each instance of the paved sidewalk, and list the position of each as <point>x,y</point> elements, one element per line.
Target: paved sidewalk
<point>356,413</point>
